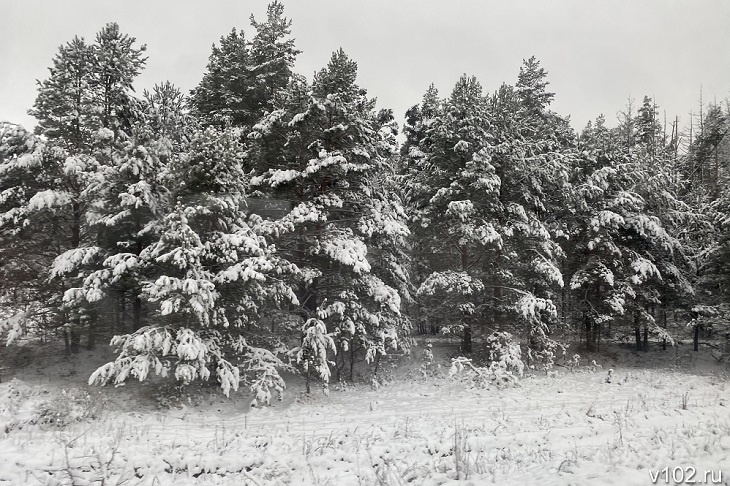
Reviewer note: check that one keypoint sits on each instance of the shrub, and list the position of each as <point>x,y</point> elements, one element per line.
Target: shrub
<point>69,406</point>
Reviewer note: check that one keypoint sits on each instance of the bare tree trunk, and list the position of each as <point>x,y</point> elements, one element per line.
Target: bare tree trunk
<point>123,311</point>
<point>377,363</point>
<point>716,182</point>
<point>664,324</point>
<point>352,363</point>
<point>73,339</point>
<point>90,338</point>
<point>66,341</point>
<point>590,329</point>
<point>137,312</point>
<point>466,343</point>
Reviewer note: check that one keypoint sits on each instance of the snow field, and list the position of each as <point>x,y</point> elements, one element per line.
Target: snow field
<point>570,428</point>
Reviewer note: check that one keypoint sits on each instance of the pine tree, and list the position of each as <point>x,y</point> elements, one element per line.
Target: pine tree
<point>65,106</point>
<point>26,236</point>
<point>446,214</point>
<point>223,98</point>
<point>419,118</point>
<point>531,88</point>
<point>324,150</point>
<point>129,197</point>
<point>624,263</point>
<point>209,278</point>
<point>166,114</point>
<point>486,182</point>
<point>245,78</point>
<point>710,152</point>
<point>706,168</point>
<point>115,63</point>
<point>272,57</point>
<point>530,154</point>
<point>647,127</point>
<point>81,109</point>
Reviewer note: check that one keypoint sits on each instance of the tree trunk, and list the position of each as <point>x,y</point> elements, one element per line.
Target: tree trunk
<point>590,331</point>
<point>716,182</point>
<point>309,299</point>
<point>75,341</point>
<point>90,338</point>
<point>377,363</point>
<point>637,331</point>
<point>646,339</point>
<point>466,345</point>
<point>563,305</point>
<point>137,313</point>
<point>66,341</point>
<point>497,295</point>
<point>696,340</point>
<point>122,311</point>
<point>352,363</point>
<point>76,225</point>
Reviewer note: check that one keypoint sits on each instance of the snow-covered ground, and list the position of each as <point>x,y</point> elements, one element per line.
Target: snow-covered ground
<point>571,427</point>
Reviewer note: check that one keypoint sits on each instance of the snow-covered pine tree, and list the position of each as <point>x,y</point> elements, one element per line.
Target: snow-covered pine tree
<point>26,237</point>
<point>222,98</point>
<point>662,187</point>
<point>244,78</point>
<point>314,352</point>
<point>531,88</point>
<point>81,109</point>
<point>272,57</point>
<point>129,200</point>
<point>648,129</point>
<point>324,151</point>
<point>419,118</point>
<point>165,112</point>
<point>130,194</point>
<point>64,106</point>
<point>452,189</point>
<point>707,159</point>
<point>115,63</point>
<point>530,153</point>
<point>484,182</point>
<point>214,280</point>
<point>704,171</point>
<point>711,159</point>
<point>623,263</point>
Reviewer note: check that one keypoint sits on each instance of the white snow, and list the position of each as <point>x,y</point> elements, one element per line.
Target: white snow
<point>70,260</point>
<point>49,199</point>
<point>561,429</point>
<point>461,210</point>
<point>450,283</point>
<point>348,251</point>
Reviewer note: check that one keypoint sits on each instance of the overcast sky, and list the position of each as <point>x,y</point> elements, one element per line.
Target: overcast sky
<point>597,53</point>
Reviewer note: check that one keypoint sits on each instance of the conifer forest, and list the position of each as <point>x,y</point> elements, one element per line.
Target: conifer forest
<point>271,240</point>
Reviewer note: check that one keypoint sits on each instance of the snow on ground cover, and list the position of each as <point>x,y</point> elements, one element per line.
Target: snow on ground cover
<point>568,428</point>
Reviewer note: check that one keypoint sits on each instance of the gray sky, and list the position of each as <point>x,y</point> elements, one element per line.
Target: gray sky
<point>597,53</point>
